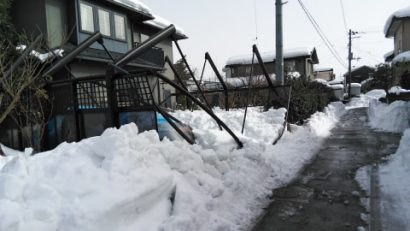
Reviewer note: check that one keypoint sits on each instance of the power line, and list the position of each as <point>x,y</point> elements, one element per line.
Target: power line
<point>344,15</point>
<point>322,35</point>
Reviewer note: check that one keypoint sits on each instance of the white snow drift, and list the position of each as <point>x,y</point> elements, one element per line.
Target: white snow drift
<point>123,180</point>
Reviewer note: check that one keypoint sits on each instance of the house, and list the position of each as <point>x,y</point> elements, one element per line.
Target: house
<point>325,73</point>
<point>398,27</point>
<point>123,23</point>
<point>361,73</point>
<point>80,96</point>
<point>295,60</point>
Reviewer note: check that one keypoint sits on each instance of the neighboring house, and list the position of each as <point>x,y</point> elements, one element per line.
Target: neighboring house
<point>359,74</point>
<point>398,27</point>
<point>123,23</point>
<point>81,106</point>
<point>325,73</point>
<point>295,60</point>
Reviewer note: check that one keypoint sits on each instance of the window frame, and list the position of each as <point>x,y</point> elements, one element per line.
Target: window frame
<point>115,26</point>
<point>81,18</point>
<point>98,9</point>
<point>96,21</point>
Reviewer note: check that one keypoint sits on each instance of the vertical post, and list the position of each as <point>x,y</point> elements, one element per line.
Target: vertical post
<point>112,120</point>
<point>279,43</point>
<point>349,74</point>
<point>78,134</point>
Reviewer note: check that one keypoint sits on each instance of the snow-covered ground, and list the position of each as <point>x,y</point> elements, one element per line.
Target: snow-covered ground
<point>394,173</point>
<point>123,180</point>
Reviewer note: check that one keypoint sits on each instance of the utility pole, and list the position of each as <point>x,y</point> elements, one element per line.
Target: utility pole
<point>350,58</point>
<point>349,73</point>
<point>279,43</point>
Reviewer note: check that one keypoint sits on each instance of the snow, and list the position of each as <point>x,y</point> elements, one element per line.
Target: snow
<point>257,80</point>
<point>393,117</point>
<point>402,13</point>
<point>393,174</point>
<point>43,57</point>
<point>337,86</point>
<point>137,5</point>
<point>162,23</point>
<point>403,57</point>
<point>397,90</point>
<point>365,99</point>
<point>317,68</point>
<point>268,56</point>
<point>123,180</point>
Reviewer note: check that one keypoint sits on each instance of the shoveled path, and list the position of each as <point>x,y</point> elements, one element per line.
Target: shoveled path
<point>326,196</point>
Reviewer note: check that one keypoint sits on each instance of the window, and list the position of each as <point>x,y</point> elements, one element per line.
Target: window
<point>104,22</point>
<point>119,22</point>
<point>87,17</point>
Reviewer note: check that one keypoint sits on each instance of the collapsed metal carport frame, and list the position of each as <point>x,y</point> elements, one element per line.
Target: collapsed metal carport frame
<point>116,68</point>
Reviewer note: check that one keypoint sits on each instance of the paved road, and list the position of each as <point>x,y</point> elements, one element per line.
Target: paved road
<point>326,196</point>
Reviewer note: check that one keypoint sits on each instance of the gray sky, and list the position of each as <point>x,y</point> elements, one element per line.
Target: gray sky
<point>228,27</point>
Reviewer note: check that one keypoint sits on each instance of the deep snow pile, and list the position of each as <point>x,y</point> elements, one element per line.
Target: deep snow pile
<point>123,180</point>
<point>394,117</point>
<point>394,173</point>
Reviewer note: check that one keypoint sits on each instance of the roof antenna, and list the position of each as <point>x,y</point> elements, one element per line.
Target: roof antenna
<point>256,22</point>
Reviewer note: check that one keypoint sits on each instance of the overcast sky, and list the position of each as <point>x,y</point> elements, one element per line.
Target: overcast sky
<point>229,27</point>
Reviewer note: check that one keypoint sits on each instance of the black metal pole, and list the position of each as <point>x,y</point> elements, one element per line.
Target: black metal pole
<point>248,94</point>
<point>191,73</point>
<point>205,108</point>
<point>167,60</point>
<point>96,37</point>
<point>262,65</point>
<point>152,41</point>
<point>218,75</point>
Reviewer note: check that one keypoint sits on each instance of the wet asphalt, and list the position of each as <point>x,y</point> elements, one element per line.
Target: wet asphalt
<point>326,196</point>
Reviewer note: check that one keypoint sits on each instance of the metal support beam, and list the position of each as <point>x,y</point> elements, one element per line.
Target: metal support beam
<point>171,65</point>
<point>96,37</point>
<point>279,43</point>
<point>191,73</point>
<point>205,108</point>
<point>218,75</point>
<point>152,41</point>
<point>262,65</point>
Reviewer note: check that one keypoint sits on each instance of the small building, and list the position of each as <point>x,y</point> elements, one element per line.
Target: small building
<point>359,74</point>
<point>325,73</point>
<point>295,60</point>
<point>398,27</point>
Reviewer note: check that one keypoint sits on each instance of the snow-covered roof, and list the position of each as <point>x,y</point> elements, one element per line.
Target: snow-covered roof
<point>271,56</point>
<point>400,14</point>
<point>321,69</point>
<point>388,56</point>
<point>161,23</point>
<point>402,57</point>
<point>136,5</point>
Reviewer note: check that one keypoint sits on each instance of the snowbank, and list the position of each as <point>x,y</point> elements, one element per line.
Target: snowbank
<point>394,186</point>
<point>392,118</point>
<point>365,99</point>
<point>123,180</point>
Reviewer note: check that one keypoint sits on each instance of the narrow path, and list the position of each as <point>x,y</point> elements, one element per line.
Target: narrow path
<point>326,196</point>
